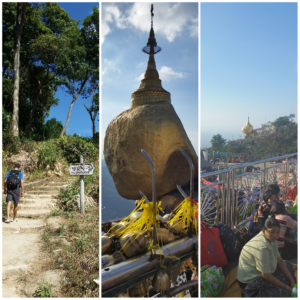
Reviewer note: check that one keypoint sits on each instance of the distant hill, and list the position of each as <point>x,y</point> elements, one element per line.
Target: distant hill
<point>113,205</point>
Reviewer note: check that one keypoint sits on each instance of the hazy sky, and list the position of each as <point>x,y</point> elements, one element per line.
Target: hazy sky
<point>248,66</point>
<point>80,122</point>
<point>125,30</point>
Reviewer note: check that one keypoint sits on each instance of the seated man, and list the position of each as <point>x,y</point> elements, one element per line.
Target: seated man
<point>261,270</point>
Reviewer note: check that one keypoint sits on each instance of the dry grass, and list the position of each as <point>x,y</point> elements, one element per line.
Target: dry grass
<point>78,240</point>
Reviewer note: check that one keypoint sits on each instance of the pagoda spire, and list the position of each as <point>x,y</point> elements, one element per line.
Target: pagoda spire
<point>150,89</point>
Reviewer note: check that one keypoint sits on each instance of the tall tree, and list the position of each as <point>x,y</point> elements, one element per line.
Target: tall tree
<point>21,13</point>
<point>217,142</point>
<point>93,111</point>
<point>282,121</point>
<point>81,63</point>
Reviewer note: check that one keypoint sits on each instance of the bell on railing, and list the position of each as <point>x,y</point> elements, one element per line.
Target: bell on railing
<point>138,291</point>
<point>176,228</point>
<point>108,260</point>
<point>162,234</point>
<point>106,244</point>
<point>135,215</point>
<point>133,244</point>
<point>115,226</point>
<point>161,281</point>
<point>167,217</point>
<point>172,237</point>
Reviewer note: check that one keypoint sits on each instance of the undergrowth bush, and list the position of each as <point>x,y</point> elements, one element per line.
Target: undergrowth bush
<point>44,290</point>
<point>74,146</point>
<point>10,143</point>
<point>66,195</point>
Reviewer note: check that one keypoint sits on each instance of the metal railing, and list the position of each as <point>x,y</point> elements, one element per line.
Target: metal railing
<point>125,275</point>
<point>233,197</point>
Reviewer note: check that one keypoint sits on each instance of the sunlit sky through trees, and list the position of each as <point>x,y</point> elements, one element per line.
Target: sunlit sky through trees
<point>80,122</point>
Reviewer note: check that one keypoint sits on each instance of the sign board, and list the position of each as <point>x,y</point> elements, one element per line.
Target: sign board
<point>81,169</point>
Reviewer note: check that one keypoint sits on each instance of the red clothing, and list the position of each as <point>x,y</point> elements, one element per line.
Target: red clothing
<point>285,221</point>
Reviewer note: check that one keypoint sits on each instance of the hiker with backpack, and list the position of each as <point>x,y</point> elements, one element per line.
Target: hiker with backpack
<point>12,183</point>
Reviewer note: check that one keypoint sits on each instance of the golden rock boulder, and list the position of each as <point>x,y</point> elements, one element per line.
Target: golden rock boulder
<point>157,129</point>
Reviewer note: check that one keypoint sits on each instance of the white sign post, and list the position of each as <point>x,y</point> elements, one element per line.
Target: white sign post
<point>82,170</point>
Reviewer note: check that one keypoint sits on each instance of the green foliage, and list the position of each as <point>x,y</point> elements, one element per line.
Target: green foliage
<point>45,236</point>
<point>74,146</point>
<point>81,242</point>
<point>294,210</point>
<point>257,147</point>
<point>283,121</point>
<point>4,205</point>
<point>91,185</point>
<point>10,143</point>
<point>54,52</point>
<point>66,196</point>
<point>44,290</point>
<point>6,116</point>
<point>95,140</point>
<point>93,111</point>
<point>54,212</point>
<point>53,129</point>
<point>47,156</point>
<point>217,142</point>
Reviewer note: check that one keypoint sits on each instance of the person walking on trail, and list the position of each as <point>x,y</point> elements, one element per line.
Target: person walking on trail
<point>12,183</point>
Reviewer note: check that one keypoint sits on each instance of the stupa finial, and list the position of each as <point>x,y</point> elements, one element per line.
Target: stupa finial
<point>151,45</point>
<point>150,90</point>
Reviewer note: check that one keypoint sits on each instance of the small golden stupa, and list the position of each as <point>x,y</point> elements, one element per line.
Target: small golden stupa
<point>248,128</point>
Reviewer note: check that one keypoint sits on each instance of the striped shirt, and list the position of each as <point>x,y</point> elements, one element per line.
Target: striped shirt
<point>285,221</point>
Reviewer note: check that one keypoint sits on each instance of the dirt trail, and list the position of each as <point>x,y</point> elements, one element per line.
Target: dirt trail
<point>22,256</point>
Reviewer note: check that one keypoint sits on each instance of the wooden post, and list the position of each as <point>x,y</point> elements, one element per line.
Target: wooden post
<point>81,189</point>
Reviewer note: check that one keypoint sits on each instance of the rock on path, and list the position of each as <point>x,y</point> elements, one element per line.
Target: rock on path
<point>21,241</point>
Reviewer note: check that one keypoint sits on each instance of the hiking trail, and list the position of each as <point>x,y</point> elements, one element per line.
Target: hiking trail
<point>22,257</point>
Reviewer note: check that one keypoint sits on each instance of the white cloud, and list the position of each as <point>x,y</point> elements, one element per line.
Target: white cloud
<point>108,66</point>
<point>111,15</point>
<point>166,74</point>
<point>170,18</point>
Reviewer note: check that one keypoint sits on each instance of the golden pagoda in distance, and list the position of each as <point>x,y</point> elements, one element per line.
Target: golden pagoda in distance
<point>247,129</point>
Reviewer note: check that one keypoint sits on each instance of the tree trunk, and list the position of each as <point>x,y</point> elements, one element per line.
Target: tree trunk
<point>94,129</point>
<point>93,120</point>
<point>72,103</point>
<point>28,126</point>
<point>21,7</point>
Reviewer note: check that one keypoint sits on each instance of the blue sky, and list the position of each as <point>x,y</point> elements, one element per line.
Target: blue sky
<point>124,32</point>
<point>80,121</point>
<point>248,66</point>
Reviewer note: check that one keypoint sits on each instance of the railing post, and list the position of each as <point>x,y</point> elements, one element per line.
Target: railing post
<point>264,177</point>
<point>228,199</point>
<point>232,197</point>
<point>223,197</point>
<point>218,206</point>
<point>286,179</point>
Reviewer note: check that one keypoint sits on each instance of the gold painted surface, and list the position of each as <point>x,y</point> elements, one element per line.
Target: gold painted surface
<point>150,89</point>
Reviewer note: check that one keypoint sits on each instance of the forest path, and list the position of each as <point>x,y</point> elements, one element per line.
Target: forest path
<point>22,256</point>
